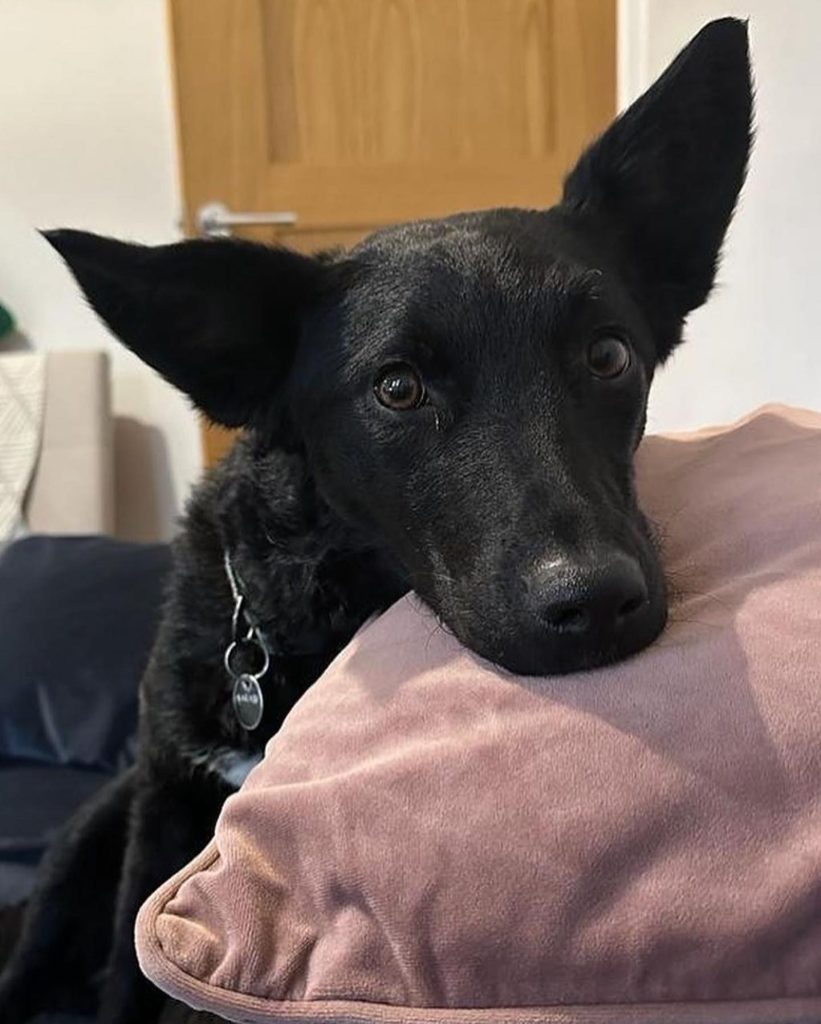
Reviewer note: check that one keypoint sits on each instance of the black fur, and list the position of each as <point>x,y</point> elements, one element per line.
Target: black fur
<point>506,500</point>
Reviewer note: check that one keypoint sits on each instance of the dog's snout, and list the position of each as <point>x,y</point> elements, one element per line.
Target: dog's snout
<point>597,597</point>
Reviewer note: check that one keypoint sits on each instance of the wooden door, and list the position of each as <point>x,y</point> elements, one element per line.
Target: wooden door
<point>358,113</point>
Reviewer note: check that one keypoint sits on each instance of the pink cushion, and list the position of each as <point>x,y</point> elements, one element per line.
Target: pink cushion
<point>430,839</point>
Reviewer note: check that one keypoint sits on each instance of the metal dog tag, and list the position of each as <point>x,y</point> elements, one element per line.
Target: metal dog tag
<point>248,702</point>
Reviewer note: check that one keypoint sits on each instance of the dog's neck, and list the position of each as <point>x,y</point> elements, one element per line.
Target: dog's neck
<point>308,577</point>
<point>310,580</point>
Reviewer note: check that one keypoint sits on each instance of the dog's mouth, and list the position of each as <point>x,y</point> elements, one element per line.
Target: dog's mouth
<point>536,655</point>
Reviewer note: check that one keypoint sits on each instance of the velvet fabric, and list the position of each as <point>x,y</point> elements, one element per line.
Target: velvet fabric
<point>431,839</point>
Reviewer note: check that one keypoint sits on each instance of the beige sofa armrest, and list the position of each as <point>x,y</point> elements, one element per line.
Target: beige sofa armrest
<point>73,486</point>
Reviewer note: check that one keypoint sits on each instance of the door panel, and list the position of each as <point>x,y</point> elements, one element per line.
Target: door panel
<point>354,114</point>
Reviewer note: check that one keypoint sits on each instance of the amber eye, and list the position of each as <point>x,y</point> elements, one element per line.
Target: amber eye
<point>608,357</point>
<point>399,387</point>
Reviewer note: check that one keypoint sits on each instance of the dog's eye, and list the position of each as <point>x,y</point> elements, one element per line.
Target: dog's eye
<point>399,387</point>
<point>608,357</point>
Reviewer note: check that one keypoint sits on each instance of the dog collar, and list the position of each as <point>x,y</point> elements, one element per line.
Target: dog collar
<point>246,641</point>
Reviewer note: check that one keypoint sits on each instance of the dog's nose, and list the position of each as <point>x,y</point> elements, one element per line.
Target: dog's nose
<point>596,597</point>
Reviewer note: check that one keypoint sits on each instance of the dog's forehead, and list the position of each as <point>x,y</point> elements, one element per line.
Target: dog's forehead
<point>506,244</point>
<point>505,263</point>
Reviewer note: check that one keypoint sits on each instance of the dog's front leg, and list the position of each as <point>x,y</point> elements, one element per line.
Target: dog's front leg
<point>66,931</point>
<point>171,821</point>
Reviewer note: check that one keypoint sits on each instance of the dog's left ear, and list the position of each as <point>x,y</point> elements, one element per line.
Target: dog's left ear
<point>666,175</point>
<point>219,319</point>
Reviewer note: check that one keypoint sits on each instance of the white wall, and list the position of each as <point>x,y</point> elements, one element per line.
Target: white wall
<point>87,140</point>
<point>759,337</point>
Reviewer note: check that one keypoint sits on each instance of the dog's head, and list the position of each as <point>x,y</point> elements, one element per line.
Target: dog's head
<point>471,390</point>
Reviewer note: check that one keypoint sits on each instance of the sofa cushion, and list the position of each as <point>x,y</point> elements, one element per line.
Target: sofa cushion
<point>431,839</point>
<point>77,621</point>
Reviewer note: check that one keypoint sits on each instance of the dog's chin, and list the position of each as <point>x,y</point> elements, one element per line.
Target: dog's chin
<point>540,655</point>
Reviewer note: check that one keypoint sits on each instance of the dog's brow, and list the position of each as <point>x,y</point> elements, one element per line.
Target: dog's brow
<point>574,283</point>
<point>569,289</point>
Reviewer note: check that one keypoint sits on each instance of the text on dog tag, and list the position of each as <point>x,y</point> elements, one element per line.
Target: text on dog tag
<point>247,701</point>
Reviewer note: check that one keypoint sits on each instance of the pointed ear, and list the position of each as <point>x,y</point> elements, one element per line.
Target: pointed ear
<point>218,319</point>
<point>666,175</point>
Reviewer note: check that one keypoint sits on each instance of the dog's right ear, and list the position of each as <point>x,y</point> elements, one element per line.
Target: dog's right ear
<point>219,319</point>
<point>665,176</point>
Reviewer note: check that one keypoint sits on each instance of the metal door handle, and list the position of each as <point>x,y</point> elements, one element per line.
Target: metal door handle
<point>215,220</point>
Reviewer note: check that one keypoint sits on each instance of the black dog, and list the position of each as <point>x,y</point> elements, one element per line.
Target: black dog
<point>452,407</point>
